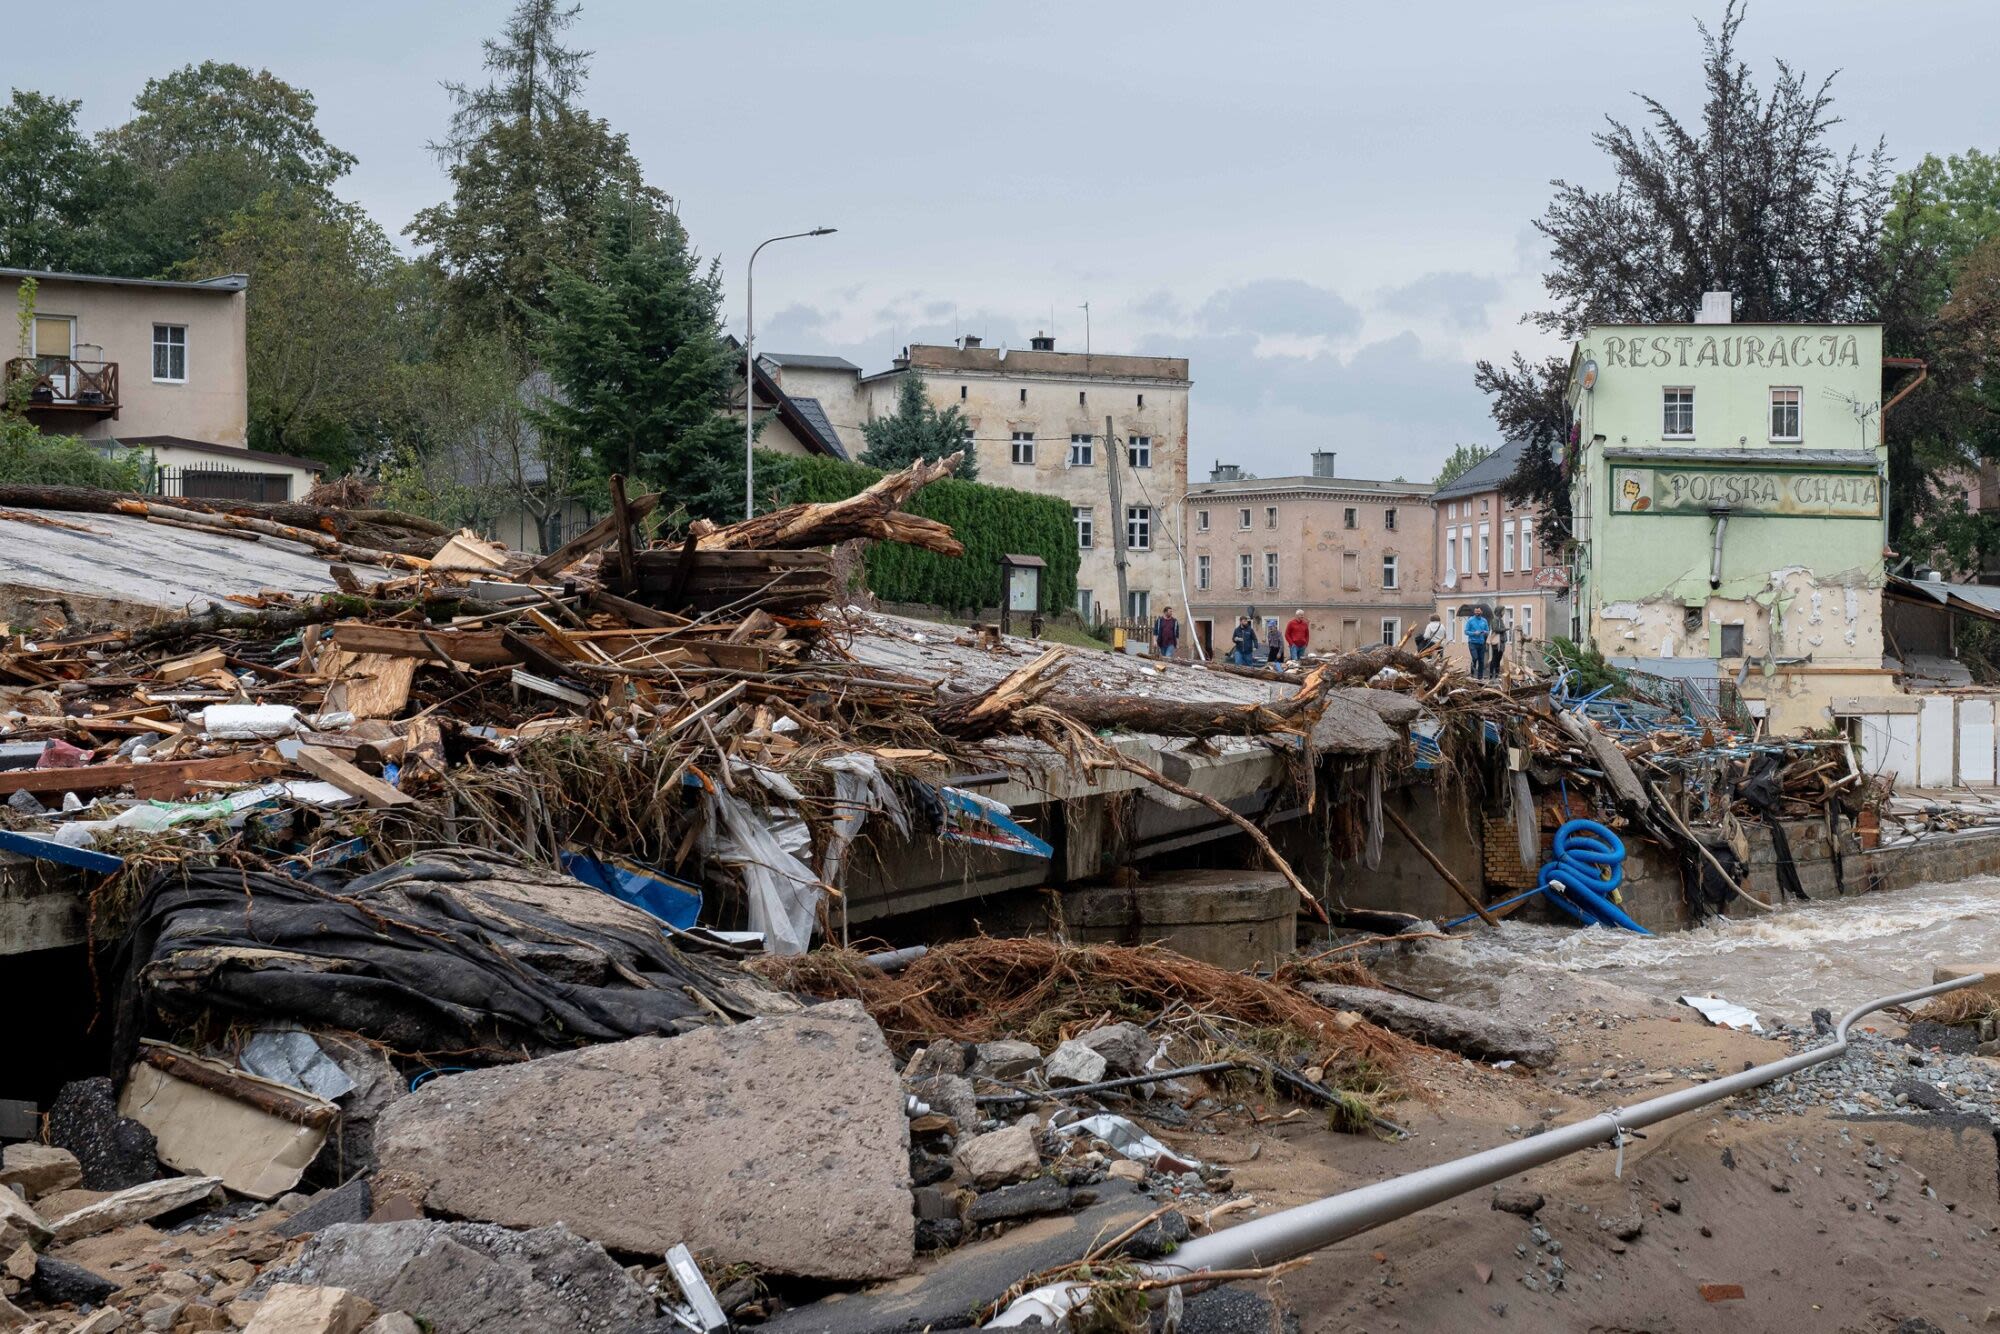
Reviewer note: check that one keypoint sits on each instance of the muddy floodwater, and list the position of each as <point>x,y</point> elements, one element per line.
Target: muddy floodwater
<point>1832,953</point>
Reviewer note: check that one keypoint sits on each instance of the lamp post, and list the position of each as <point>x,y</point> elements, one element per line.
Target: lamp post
<point>749,365</point>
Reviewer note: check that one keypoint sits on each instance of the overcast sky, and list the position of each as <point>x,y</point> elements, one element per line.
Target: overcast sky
<point>1324,207</point>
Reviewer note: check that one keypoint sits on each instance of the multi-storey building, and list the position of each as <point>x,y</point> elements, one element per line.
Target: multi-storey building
<point>1489,553</point>
<point>1727,482</point>
<point>1354,555</point>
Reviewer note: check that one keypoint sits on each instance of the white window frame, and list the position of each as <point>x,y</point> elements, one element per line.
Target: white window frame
<point>1201,521</point>
<point>1243,519</point>
<point>1465,549</point>
<point>1527,620</point>
<point>1666,395</point>
<point>1082,451</point>
<point>1139,451</point>
<point>1451,625</point>
<point>1527,545</point>
<point>1138,527</point>
<point>1270,516</point>
<point>1246,569</point>
<point>1485,548</point>
<point>1024,456</point>
<point>1450,556</point>
<point>1507,546</point>
<point>1270,569</point>
<point>1392,629</point>
<point>169,346</point>
<point>1391,572</point>
<point>1085,519</point>
<point>1139,604</point>
<point>1798,406</point>
<point>1204,569</point>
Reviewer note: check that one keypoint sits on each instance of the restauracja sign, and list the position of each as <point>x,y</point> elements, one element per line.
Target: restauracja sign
<point>1732,350</point>
<point>1833,495</point>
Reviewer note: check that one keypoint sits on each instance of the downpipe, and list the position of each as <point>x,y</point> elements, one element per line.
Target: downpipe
<point>1309,1227</point>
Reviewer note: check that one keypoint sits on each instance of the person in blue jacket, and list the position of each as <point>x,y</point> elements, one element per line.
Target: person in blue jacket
<point>1244,643</point>
<point>1476,630</point>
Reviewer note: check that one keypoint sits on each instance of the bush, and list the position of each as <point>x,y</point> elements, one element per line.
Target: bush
<point>29,457</point>
<point>991,521</point>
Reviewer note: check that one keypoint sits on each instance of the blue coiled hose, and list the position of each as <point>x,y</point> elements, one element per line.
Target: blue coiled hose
<point>1588,868</point>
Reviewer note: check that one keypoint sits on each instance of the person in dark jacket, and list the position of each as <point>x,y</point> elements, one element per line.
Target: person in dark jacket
<point>1167,634</point>
<point>1243,643</point>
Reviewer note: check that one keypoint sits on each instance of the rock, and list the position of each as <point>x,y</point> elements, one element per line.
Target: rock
<point>475,1278</point>
<point>1474,1033</point>
<point>1625,1229</point>
<point>940,1058</point>
<point>1159,1238</point>
<point>1921,1094</point>
<point>293,1308</point>
<point>927,1168</point>
<point>394,1323</point>
<point>21,1264</point>
<point>1125,1047</point>
<point>134,1205</point>
<point>1526,1203</point>
<point>1127,1170</point>
<point>1917,1325</point>
<point>202,1318</point>
<point>351,1203</point>
<point>1006,1060</point>
<point>13,1317</point>
<point>101,1322</point>
<point>1026,1199</point>
<point>779,1143</point>
<point>939,1234</point>
<point>39,1169</point>
<point>20,1225</point>
<point>1001,1156</point>
<point>292,1202</point>
<point>933,1202</point>
<point>58,1281</point>
<point>114,1151</point>
<point>951,1095</point>
<point>1074,1063</point>
<point>163,1318</point>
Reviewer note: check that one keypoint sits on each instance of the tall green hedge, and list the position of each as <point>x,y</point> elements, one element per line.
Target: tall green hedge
<point>992,521</point>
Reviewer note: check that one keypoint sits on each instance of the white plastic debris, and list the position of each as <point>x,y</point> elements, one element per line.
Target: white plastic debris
<point>249,722</point>
<point>289,1056</point>
<point>1131,1141</point>
<point>1725,1013</point>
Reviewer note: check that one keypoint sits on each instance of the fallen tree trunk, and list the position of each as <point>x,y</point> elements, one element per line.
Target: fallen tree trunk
<point>873,513</point>
<point>405,534</point>
<point>283,620</point>
<point>233,524</point>
<point>1349,668</point>
<point>993,710</point>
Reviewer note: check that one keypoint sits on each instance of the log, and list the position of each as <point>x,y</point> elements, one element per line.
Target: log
<point>1457,888</point>
<point>1154,717</point>
<point>279,621</point>
<point>621,514</point>
<point>387,529</point>
<point>993,710</point>
<point>236,525</point>
<point>874,513</point>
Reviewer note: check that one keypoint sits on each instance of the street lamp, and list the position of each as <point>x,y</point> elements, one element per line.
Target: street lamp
<point>749,373</point>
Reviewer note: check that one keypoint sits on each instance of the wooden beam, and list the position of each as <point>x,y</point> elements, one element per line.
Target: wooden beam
<point>621,513</point>
<point>349,779</point>
<point>480,648</point>
<point>160,780</point>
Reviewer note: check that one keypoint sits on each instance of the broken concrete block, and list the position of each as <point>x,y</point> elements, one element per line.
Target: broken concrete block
<point>475,1278</point>
<point>1125,1048</point>
<point>1526,1203</point>
<point>1026,1199</point>
<point>648,1142</point>
<point>951,1095</point>
<point>114,1151</point>
<point>58,1282</point>
<point>1006,1060</point>
<point>1001,1157</point>
<point>39,1169</point>
<point>20,1225</point>
<point>135,1205</point>
<point>1127,1170</point>
<point>940,1058</point>
<point>1074,1063</point>
<point>293,1308</point>
<point>1473,1033</point>
<point>351,1203</point>
<point>101,1321</point>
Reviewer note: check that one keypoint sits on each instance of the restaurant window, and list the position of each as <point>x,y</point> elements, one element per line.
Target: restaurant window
<point>1785,414</point>
<point>1677,414</point>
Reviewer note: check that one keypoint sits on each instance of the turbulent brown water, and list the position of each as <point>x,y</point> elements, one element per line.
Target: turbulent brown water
<point>1832,953</point>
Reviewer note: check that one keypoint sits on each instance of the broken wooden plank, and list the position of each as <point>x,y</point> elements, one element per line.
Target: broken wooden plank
<point>194,664</point>
<point>553,689</point>
<point>159,780</point>
<point>377,685</point>
<point>478,648</point>
<point>350,779</point>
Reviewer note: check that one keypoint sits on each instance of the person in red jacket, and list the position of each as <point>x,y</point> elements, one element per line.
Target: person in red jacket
<point>1298,634</point>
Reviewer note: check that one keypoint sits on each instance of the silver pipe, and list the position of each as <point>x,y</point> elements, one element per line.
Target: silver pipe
<point>1309,1227</point>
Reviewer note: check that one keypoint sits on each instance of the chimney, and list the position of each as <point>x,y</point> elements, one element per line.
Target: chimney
<point>1225,472</point>
<point>1042,342</point>
<point>969,342</point>
<point>1715,308</point>
<point>1323,462</point>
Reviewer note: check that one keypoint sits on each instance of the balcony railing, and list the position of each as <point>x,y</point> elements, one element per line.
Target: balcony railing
<point>64,384</point>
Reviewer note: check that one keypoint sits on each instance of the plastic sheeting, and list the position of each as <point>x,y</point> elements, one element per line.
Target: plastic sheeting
<point>768,849</point>
<point>859,790</point>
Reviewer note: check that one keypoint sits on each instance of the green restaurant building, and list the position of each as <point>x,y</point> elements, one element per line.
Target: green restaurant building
<point>1727,487</point>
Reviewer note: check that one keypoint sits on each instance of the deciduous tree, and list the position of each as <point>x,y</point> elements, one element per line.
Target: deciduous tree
<point>55,189</point>
<point>1461,460</point>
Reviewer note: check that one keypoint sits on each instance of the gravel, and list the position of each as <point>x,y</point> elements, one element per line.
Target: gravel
<point>1883,1076</point>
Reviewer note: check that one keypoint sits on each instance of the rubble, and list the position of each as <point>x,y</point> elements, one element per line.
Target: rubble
<point>135,1204</point>
<point>38,1169</point>
<point>113,1151</point>
<point>644,1143</point>
<point>1074,1062</point>
<point>1001,1157</point>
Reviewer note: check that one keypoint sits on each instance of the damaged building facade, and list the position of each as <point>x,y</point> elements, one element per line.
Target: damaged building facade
<point>1727,482</point>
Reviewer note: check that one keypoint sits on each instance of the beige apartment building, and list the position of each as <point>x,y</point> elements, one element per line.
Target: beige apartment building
<point>1106,433</point>
<point>146,364</point>
<point>1490,553</point>
<point>1354,555</point>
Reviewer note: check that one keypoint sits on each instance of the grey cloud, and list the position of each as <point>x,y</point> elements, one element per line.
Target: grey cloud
<point>1278,306</point>
<point>1458,299</point>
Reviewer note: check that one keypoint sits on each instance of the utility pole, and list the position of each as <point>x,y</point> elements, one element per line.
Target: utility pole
<point>1118,534</point>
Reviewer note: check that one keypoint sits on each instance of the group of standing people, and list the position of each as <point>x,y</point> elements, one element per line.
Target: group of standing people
<point>1245,650</point>
<point>1485,641</point>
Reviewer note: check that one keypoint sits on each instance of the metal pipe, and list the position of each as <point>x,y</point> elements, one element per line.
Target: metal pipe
<point>1715,558</point>
<point>1309,1227</point>
<point>750,367</point>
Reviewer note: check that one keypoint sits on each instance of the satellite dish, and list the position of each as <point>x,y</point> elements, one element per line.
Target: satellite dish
<point>1588,376</point>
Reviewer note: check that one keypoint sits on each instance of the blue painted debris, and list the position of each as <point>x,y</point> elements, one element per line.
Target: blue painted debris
<point>986,823</point>
<point>674,901</point>
<point>48,850</point>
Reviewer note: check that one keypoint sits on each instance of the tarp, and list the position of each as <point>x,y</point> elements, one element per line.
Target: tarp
<point>669,898</point>
<point>455,954</point>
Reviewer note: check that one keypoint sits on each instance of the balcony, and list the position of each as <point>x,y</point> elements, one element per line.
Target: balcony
<point>63,384</point>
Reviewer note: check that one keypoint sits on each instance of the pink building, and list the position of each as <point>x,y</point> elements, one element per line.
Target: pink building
<point>1490,553</point>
